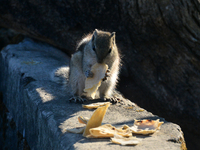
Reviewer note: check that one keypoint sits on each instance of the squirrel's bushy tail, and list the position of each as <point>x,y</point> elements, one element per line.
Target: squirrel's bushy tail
<point>61,75</point>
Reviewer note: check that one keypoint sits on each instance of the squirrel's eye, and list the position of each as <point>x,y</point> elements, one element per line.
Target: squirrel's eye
<point>94,49</point>
<point>110,50</point>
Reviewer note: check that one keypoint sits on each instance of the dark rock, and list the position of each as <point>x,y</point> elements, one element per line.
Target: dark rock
<point>8,36</point>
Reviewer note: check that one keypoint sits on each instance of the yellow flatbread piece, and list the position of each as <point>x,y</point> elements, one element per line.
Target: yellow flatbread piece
<point>83,120</point>
<point>146,126</point>
<point>95,105</point>
<point>92,84</point>
<point>107,130</point>
<point>124,141</point>
<point>96,119</point>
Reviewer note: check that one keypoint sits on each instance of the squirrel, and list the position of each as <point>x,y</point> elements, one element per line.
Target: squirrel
<point>99,47</point>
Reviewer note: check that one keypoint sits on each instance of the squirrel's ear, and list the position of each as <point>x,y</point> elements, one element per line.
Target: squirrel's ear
<point>94,34</point>
<point>113,36</point>
<point>96,30</point>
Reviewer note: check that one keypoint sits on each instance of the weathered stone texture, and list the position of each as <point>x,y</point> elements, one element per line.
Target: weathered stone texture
<point>42,112</point>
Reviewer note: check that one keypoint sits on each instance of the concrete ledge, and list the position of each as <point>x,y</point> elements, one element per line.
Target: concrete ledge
<point>41,110</point>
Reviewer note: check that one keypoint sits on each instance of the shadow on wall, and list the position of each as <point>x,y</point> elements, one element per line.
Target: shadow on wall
<point>9,36</point>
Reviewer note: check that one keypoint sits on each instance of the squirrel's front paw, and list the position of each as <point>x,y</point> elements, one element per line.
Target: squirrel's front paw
<point>107,74</point>
<point>89,74</point>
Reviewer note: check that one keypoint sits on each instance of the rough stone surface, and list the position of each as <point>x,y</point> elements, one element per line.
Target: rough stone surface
<point>42,112</point>
<point>10,138</point>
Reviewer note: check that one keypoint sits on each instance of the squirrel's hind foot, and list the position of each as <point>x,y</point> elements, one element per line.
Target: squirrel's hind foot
<point>113,100</point>
<point>77,99</point>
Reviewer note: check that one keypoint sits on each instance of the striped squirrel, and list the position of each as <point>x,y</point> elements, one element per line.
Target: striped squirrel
<point>99,47</point>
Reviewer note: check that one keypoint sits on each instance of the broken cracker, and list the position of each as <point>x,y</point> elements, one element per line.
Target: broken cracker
<point>107,130</point>
<point>92,84</point>
<point>95,105</point>
<point>125,141</point>
<point>78,130</point>
<point>124,127</point>
<point>83,120</point>
<point>96,119</point>
<point>146,126</point>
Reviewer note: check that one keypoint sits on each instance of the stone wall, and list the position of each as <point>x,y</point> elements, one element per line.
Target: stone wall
<point>41,111</point>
